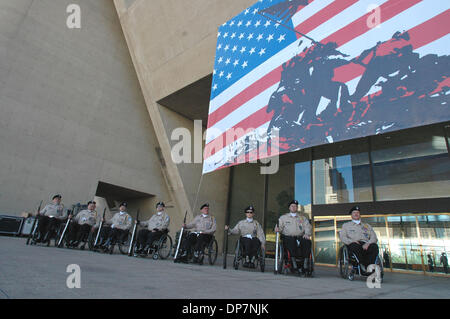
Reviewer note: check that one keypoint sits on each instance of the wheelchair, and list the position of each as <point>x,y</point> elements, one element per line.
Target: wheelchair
<point>65,241</point>
<point>349,265</point>
<point>51,235</point>
<point>285,262</point>
<point>211,249</point>
<point>159,249</point>
<point>239,257</point>
<point>122,243</point>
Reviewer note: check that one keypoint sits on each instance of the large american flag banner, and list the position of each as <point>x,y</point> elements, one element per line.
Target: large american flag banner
<point>291,74</point>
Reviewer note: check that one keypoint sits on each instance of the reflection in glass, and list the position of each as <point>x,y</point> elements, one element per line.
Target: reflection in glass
<point>245,177</point>
<point>404,243</point>
<point>280,194</point>
<point>411,165</point>
<point>342,179</point>
<point>435,235</point>
<point>324,242</point>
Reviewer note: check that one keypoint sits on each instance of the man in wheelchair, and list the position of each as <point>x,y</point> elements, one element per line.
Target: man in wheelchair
<point>204,227</point>
<point>119,229</point>
<point>78,230</point>
<point>155,228</point>
<point>50,217</point>
<point>360,239</point>
<point>296,232</point>
<point>252,236</point>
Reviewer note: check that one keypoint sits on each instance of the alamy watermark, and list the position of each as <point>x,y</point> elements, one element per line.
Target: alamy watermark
<point>374,280</point>
<point>74,279</point>
<point>74,18</point>
<point>374,19</point>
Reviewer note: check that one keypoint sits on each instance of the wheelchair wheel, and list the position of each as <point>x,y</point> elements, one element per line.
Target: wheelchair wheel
<point>91,240</point>
<point>379,263</point>
<point>262,259</point>
<point>212,251</point>
<point>124,245</point>
<point>237,255</point>
<point>344,266</point>
<point>164,247</point>
<point>309,266</point>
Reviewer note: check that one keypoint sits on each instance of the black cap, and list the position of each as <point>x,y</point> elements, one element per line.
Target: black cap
<point>293,202</point>
<point>204,205</point>
<point>160,204</point>
<point>92,202</point>
<point>57,196</point>
<point>124,204</point>
<point>354,208</point>
<point>250,208</point>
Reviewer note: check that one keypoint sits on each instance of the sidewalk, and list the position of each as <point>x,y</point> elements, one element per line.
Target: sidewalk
<point>40,272</point>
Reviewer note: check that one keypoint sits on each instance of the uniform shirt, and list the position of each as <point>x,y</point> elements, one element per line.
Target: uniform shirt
<point>294,225</point>
<point>54,210</point>
<point>352,232</point>
<point>253,228</point>
<point>88,217</point>
<point>120,221</point>
<point>160,222</point>
<point>202,224</point>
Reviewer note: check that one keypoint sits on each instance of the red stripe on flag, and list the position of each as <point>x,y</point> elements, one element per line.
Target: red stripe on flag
<point>388,10</point>
<point>420,35</point>
<point>323,15</point>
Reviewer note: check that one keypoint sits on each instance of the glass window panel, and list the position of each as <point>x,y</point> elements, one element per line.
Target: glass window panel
<point>303,186</point>
<point>404,243</point>
<point>324,242</point>
<point>435,236</point>
<point>280,193</point>
<point>245,177</point>
<point>411,164</point>
<point>342,179</point>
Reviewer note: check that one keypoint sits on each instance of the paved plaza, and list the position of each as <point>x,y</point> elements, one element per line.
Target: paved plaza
<point>41,272</point>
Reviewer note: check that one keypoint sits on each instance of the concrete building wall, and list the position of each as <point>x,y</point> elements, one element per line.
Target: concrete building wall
<point>172,44</point>
<point>72,111</point>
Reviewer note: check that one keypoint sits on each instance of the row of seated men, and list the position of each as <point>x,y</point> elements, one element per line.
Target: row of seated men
<point>295,229</point>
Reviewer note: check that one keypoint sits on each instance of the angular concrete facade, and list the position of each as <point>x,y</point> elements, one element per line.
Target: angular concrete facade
<point>72,111</point>
<point>80,107</point>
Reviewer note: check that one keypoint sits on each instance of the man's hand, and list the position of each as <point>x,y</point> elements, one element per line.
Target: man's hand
<point>366,246</point>
<point>183,225</point>
<point>277,230</point>
<point>306,237</point>
<point>226,227</point>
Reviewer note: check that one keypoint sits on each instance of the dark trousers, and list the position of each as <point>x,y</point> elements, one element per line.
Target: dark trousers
<point>112,235</point>
<point>47,224</point>
<point>298,247</point>
<point>77,232</point>
<point>146,237</point>
<point>365,257</point>
<point>199,241</point>
<point>250,247</point>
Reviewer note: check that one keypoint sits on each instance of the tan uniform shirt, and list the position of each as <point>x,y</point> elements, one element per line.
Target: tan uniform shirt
<point>120,221</point>
<point>53,210</point>
<point>252,228</point>
<point>352,232</point>
<point>294,226</point>
<point>161,222</point>
<point>206,225</point>
<point>86,216</point>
